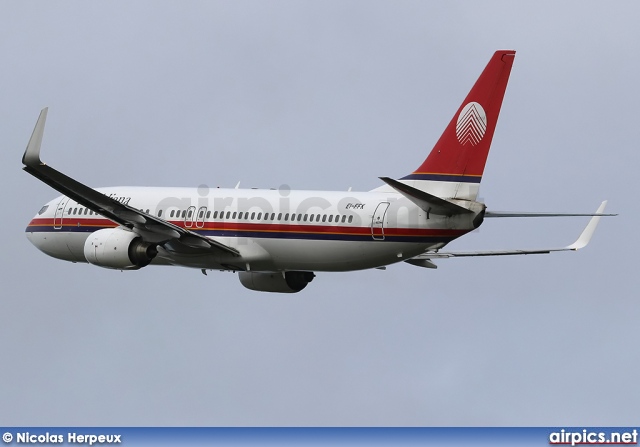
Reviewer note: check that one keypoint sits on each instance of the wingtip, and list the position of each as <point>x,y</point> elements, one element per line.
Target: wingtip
<point>32,153</point>
<point>585,237</point>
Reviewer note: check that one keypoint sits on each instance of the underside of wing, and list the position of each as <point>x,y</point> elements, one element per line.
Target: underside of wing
<point>424,260</point>
<point>150,228</point>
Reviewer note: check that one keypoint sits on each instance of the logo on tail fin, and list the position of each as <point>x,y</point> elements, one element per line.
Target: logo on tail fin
<point>472,124</point>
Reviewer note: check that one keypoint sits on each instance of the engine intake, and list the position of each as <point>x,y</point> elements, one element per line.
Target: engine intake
<point>115,248</point>
<point>279,282</point>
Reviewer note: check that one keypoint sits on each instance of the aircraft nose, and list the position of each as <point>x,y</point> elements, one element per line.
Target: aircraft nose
<point>44,240</point>
<point>30,225</point>
<point>30,232</point>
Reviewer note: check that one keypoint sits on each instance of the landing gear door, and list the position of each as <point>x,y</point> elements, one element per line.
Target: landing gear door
<point>377,222</point>
<point>59,215</point>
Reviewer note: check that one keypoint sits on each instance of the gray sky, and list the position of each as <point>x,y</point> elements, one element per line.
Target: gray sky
<point>325,95</point>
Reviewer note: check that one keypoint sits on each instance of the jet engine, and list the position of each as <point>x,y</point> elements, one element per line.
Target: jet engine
<point>281,282</point>
<point>115,248</point>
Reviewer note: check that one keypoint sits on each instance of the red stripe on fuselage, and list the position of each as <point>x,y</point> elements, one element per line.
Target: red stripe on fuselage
<point>259,227</point>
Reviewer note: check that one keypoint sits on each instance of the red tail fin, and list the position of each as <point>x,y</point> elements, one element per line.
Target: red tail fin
<point>461,152</point>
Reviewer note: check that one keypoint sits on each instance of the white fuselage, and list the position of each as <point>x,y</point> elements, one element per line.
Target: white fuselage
<point>273,230</point>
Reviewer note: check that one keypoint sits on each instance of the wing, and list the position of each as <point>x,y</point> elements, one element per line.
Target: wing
<point>424,260</point>
<point>151,228</point>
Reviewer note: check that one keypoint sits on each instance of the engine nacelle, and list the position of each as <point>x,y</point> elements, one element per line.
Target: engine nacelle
<point>287,282</point>
<point>115,248</point>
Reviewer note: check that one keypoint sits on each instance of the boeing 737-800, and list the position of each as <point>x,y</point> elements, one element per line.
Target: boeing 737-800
<point>277,239</point>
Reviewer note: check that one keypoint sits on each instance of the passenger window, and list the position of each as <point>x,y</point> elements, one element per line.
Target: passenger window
<point>293,217</point>
<point>299,217</point>
<point>305,217</point>
<point>233,216</point>
<point>215,214</point>
<point>253,216</point>
<point>311,218</point>
<point>172,213</point>
<point>86,211</point>
<point>259,216</point>
<point>228,214</point>
<point>330,217</point>
<point>324,217</point>
<point>279,216</point>
<point>318,218</point>
<point>183,213</point>
<point>200,214</point>
<point>350,219</point>
<point>286,217</point>
<point>159,213</point>
<point>273,216</point>
<point>344,217</point>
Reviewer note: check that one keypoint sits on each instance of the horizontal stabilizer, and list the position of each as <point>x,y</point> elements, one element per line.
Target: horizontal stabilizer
<point>426,201</point>
<point>525,214</point>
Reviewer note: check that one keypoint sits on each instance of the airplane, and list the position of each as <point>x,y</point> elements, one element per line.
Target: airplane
<point>277,239</point>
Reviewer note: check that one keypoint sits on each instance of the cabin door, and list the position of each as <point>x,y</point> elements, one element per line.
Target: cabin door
<point>59,215</point>
<point>377,222</point>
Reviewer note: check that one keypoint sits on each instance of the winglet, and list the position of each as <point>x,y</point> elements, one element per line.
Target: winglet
<point>586,234</point>
<point>31,156</point>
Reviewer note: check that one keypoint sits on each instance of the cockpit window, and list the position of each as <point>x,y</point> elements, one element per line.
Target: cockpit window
<point>43,209</point>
